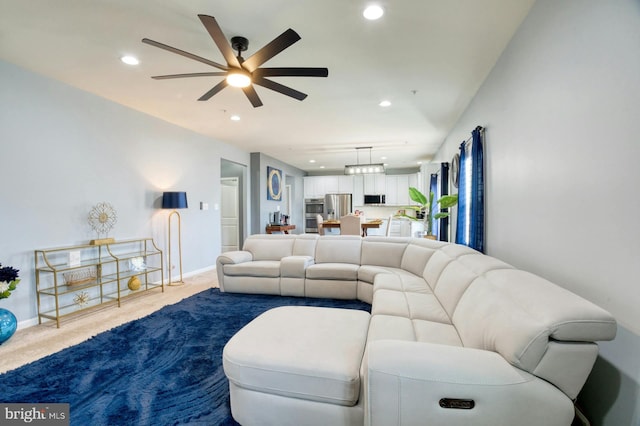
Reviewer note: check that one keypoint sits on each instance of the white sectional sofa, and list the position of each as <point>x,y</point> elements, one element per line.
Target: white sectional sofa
<point>455,337</point>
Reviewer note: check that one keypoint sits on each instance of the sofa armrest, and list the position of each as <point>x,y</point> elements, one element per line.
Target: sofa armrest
<point>295,266</point>
<point>230,257</point>
<point>237,256</point>
<point>414,383</point>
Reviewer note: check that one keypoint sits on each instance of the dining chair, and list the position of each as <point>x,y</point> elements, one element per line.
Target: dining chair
<point>350,225</point>
<point>320,219</point>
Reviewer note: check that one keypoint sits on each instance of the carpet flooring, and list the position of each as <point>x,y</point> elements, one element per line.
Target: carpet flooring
<point>163,369</point>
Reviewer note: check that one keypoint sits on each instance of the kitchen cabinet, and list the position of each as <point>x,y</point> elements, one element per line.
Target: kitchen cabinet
<point>314,187</point>
<point>318,186</point>
<point>375,184</point>
<point>395,187</point>
<point>346,184</point>
<point>406,228</point>
<point>331,184</point>
<point>358,190</point>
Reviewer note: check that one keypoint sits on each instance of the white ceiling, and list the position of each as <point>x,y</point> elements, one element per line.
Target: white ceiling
<point>428,57</point>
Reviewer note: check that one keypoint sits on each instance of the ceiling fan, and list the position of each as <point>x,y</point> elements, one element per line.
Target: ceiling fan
<point>240,72</point>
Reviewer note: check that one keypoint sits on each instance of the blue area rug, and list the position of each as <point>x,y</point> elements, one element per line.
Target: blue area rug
<point>164,369</point>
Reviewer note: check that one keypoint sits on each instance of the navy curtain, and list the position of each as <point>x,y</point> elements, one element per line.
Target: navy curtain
<point>443,226</point>
<point>433,187</point>
<point>470,220</point>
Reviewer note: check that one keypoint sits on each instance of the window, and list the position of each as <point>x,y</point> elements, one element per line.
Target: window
<point>470,220</point>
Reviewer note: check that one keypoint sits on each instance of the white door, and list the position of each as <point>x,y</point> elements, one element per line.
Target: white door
<point>229,212</point>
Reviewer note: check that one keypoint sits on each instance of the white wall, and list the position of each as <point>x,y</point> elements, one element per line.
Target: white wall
<point>63,150</point>
<point>561,108</point>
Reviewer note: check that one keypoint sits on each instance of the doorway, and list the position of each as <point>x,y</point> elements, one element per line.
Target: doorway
<point>230,214</point>
<point>233,205</point>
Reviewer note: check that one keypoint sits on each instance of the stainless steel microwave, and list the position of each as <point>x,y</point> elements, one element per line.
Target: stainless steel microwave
<point>374,199</point>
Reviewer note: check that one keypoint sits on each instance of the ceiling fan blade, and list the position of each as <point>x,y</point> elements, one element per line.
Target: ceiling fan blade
<point>219,38</point>
<point>291,72</point>
<point>195,74</point>
<point>276,46</point>
<point>261,81</point>
<point>218,87</point>
<point>252,95</point>
<point>185,54</point>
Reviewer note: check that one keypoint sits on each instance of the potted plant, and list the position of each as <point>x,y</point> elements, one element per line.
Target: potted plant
<point>8,282</point>
<point>426,206</point>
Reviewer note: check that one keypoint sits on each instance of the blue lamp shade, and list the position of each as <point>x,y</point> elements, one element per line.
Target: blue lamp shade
<point>174,200</point>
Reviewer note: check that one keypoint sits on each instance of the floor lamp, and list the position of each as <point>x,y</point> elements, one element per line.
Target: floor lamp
<point>175,200</point>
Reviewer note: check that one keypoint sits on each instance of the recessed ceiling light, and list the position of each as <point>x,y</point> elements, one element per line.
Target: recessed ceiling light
<point>383,158</point>
<point>130,60</point>
<point>373,12</point>
<point>312,161</point>
<point>385,103</point>
<point>235,117</point>
<point>322,167</point>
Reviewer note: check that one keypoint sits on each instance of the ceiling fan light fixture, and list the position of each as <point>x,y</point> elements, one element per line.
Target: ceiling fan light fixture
<point>238,79</point>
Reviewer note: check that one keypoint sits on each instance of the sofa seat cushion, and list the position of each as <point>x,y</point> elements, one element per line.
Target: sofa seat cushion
<point>390,327</point>
<point>415,306</point>
<point>258,268</point>
<point>401,281</point>
<point>333,271</point>
<point>367,273</point>
<point>301,352</point>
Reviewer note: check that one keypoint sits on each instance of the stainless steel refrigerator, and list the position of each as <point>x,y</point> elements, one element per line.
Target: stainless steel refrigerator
<point>337,205</point>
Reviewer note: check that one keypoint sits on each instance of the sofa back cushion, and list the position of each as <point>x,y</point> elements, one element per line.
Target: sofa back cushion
<point>383,251</point>
<point>338,249</point>
<point>305,245</point>
<point>417,254</point>
<point>466,265</point>
<point>269,247</point>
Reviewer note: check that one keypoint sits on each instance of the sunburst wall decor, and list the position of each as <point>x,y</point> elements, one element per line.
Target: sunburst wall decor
<point>102,218</point>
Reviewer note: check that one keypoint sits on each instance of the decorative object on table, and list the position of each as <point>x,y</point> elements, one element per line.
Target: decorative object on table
<point>8,283</point>
<point>80,276</point>
<point>274,184</point>
<point>134,283</point>
<point>102,217</point>
<point>175,200</point>
<point>81,299</point>
<point>425,207</point>
<point>275,218</point>
<point>137,264</point>
<point>75,258</point>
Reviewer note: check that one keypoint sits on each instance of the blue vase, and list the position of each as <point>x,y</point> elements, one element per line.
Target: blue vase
<point>8,325</point>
